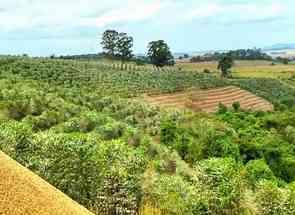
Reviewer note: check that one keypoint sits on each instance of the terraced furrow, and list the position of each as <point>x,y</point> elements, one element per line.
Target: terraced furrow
<point>209,100</point>
<point>219,90</point>
<point>168,99</point>
<point>226,100</point>
<point>174,105</point>
<point>226,96</point>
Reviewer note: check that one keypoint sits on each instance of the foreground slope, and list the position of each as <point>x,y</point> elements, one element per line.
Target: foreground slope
<point>22,192</point>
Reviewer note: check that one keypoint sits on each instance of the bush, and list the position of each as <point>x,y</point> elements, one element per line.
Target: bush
<point>258,170</point>
<point>222,175</point>
<point>70,165</point>
<point>15,140</point>
<point>290,134</point>
<point>120,167</point>
<point>168,134</point>
<point>112,130</point>
<point>273,200</point>
<point>174,195</point>
<point>236,106</point>
<point>222,108</point>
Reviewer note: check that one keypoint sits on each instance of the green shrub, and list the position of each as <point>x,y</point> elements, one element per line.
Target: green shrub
<point>69,165</point>
<point>174,195</point>
<point>223,177</point>
<point>258,170</point>
<point>222,108</point>
<point>290,134</point>
<point>112,130</point>
<point>273,200</point>
<point>16,141</point>
<point>168,134</point>
<point>236,106</point>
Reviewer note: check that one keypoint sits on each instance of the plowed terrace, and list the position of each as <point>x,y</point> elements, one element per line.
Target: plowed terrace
<point>209,100</point>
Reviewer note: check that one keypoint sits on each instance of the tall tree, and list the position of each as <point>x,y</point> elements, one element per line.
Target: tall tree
<point>159,53</point>
<point>225,64</point>
<point>124,46</point>
<point>109,42</point>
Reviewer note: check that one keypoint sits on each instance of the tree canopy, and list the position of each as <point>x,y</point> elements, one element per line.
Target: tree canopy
<point>225,64</point>
<point>117,45</point>
<point>159,53</point>
<point>109,42</point>
<point>124,47</point>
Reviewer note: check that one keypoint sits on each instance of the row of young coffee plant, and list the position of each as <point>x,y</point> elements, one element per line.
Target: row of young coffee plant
<point>108,80</point>
<point>275,91</point>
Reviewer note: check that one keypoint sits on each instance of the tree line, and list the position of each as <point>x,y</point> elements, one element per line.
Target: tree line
<point>241,54</point>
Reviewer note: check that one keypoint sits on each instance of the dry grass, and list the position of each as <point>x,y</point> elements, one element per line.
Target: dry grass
<point>149,209</point>
<point>252,69</point>
<point>24,193</point>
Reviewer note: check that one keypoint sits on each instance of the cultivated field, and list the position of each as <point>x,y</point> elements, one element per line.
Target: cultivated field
<point>209,100</point>
<point>81,127</point>
<point>253,69</point>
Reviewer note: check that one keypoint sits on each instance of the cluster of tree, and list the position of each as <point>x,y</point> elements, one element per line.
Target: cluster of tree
<point>119,46</point>
<point>283,60</point>
<point>241,54</point>
<point>184,56</point>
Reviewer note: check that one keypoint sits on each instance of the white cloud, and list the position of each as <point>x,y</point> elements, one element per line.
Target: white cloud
<point>63,14</point>
<point>238,12</point>
<point>19,14</point>
<point>204,11</point>
<point>134,11</point>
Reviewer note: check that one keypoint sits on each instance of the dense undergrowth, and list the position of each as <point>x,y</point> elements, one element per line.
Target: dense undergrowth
<point>119,156</point>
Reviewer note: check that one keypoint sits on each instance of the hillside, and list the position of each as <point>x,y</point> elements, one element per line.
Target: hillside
<point>85,128</point>
<point>22,192</point>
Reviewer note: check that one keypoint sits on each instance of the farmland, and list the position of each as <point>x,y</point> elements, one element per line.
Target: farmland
<point>254,69</point>
<point>209,100</point>
<point>86,128</point>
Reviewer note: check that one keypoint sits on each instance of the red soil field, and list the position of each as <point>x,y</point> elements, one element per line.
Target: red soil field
<point>209,100</point>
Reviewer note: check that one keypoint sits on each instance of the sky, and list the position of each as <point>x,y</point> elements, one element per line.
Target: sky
<point>60,27</point>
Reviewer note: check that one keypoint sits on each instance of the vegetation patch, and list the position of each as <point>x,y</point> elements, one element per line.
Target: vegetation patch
<point>81,127</point>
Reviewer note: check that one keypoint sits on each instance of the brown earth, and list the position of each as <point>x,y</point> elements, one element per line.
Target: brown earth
<point>24,193</point>
<point>209,100</point>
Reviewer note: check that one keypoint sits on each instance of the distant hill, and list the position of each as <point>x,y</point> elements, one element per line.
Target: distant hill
<point>280,46</point>
<point>285,50</point>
